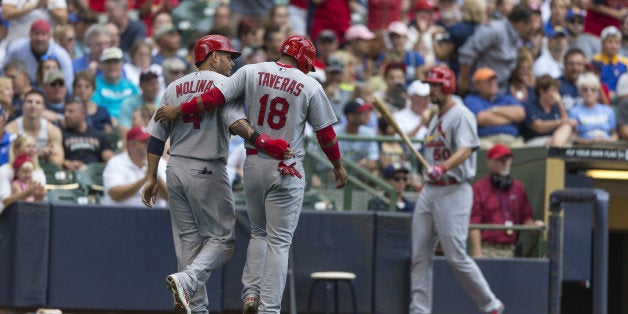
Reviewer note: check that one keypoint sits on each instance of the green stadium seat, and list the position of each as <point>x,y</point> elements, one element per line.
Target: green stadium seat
<point>73,196</point>
<point>58,178</point>
<point>90,179</point>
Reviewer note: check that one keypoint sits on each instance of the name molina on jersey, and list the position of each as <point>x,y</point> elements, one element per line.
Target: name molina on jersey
<point>193,87</point>
<point>281,83</point>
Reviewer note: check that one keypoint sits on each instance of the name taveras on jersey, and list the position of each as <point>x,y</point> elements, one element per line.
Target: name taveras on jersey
<point>281,83</point>
<point>193,87</point>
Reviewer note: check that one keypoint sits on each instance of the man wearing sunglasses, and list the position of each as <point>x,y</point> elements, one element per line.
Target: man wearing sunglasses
<point>55,90</point>
<point>396,174</point>
<point>576,37</point>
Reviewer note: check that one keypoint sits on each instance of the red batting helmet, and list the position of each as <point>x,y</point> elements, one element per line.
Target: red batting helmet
<point>444,76</point>
<point>302,50</point>
<point>205,45</point>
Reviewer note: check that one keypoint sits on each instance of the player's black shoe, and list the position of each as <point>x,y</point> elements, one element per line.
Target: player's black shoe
<point>181,298</point>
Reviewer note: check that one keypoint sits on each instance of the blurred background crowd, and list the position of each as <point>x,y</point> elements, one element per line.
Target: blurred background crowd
<point>81,78</point>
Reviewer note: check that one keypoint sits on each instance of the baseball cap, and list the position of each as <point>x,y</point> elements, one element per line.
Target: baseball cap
<point>622,85</point>
<point>610,31</point>
<point>556,31</point>
<point>398,28</point>
<point>355,106</point>
<point>535,8</point>
<point>138,134</point>
<point>111,53</point>
<point>423,5</point>
<point>20,160</point>
<point>327,35</point>
<point>53,76</point>
<point>147,76</point>
<point>483,74</point>
<point>393,168</point>
<point>40,25</point>
<point>334,64</point>
<point>498,151</point>
<point>419,88</point>
<point>358,32</point>
<point>575,12</point>
<point>163,30</point>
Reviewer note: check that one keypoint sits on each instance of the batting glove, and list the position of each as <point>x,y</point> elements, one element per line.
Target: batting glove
<point>289,170</point>
<point>275,148</point>
<point>435,172</point>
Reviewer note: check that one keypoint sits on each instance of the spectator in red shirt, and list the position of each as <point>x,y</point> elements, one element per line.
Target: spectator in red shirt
<point>498,199</point>
<point>330,14</point>
<point>148,9</point>
<point>603,13</point>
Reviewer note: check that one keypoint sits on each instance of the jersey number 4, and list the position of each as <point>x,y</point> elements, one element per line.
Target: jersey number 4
<point>277,110</point>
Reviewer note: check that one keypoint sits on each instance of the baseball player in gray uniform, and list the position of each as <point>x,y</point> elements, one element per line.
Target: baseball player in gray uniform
<point>200,197</point>
<point>444,205</point>
<point>279,98</point>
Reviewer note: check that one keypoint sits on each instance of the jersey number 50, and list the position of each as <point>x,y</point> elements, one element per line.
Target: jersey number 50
<point>441,154</point>
<point>277,110</point>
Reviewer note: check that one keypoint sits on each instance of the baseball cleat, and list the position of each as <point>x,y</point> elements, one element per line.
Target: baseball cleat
<point>250,305</point>
<point>181,298</point>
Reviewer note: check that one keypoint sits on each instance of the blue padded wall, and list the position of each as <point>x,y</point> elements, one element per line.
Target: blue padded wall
<point>24,245</point>
<point>113,258</point>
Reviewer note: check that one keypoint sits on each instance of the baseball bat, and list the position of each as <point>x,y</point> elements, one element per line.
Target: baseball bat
<point>381,107</point>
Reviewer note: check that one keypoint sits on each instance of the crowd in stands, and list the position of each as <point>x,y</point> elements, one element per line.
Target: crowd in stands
<point>78,75</point>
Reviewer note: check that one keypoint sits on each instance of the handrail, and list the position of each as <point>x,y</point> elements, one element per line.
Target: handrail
<point>503,227</point>
<point>379,138</point>
<point>531,228</point>
<point>354,180</point>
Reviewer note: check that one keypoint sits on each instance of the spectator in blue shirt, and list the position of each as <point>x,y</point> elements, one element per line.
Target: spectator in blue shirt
<point>498,115</point>
<point>596,122</point>
<point>547,122</point>
<point>573,66</point>
<point>111,87</point>
<point>611,64</point>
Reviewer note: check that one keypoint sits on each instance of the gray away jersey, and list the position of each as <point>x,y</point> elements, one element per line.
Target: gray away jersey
<point>279,101</point>
<point>203,137</point>
<point>456,128</point>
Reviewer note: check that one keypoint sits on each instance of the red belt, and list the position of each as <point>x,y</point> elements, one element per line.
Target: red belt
<point>250,151</point>
<point>445,182</point>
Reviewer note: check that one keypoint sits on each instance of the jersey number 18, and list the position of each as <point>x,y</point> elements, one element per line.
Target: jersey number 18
<point>277,110</point>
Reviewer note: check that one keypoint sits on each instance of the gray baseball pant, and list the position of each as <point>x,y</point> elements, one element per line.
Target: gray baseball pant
<point>203,221</point>
<point>442,214</point>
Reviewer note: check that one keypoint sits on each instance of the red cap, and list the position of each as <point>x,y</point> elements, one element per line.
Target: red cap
<point>498,151</point>
<point>137,133</point>
<point>20,160</point>
<point>40,25</point>
<point>423,5</point>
